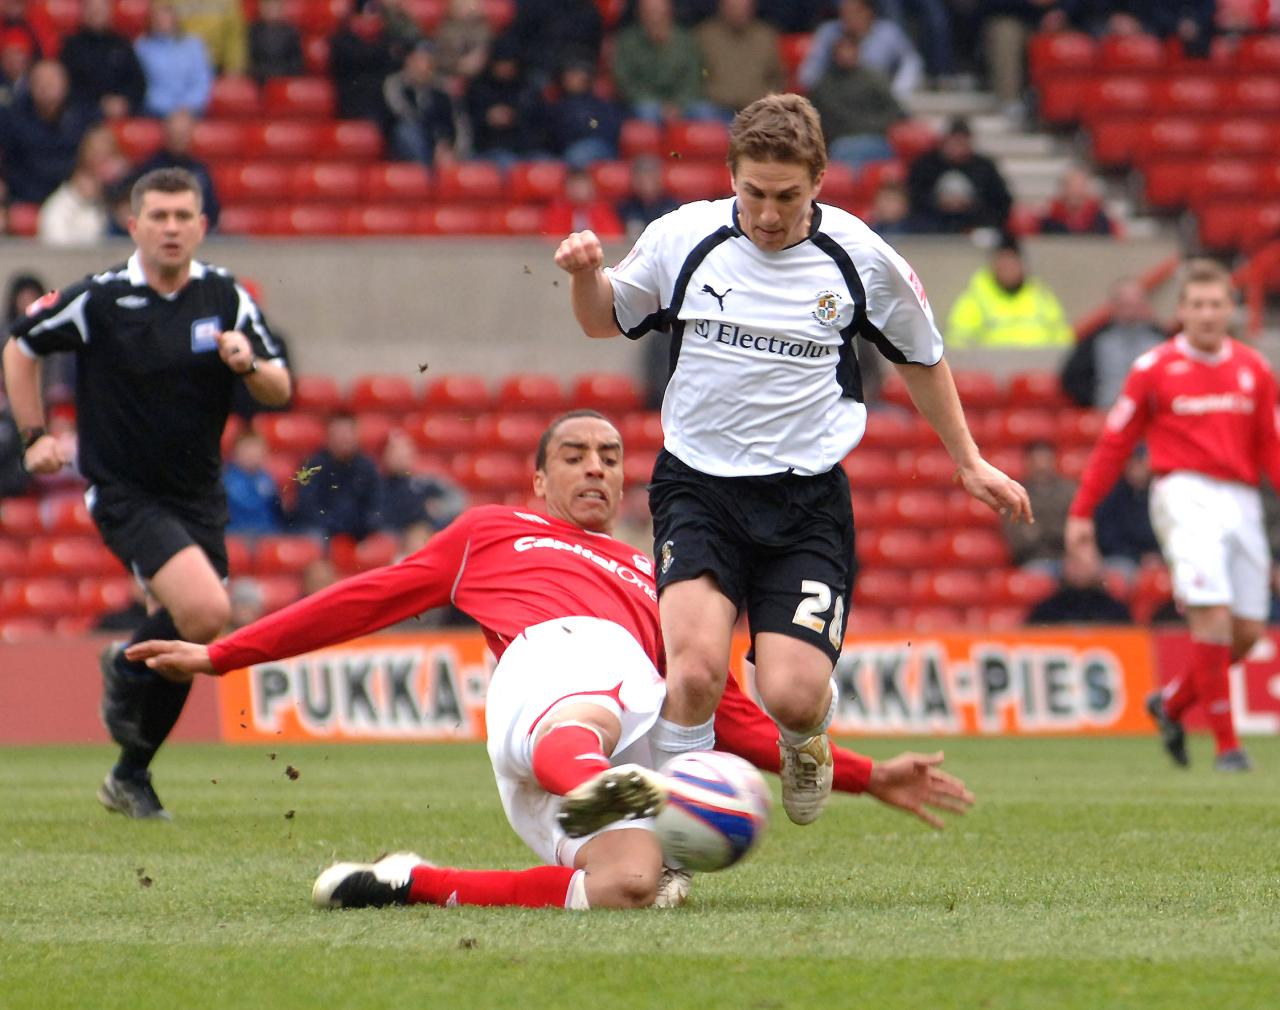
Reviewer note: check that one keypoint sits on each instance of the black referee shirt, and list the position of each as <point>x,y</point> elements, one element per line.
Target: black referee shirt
<point>152,395</point>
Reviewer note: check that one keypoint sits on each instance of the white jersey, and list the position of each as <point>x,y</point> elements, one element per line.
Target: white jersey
<point>765,375</point>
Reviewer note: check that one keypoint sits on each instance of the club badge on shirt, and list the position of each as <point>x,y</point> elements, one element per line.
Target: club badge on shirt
<point>204,334</point>
<point>827,311</point>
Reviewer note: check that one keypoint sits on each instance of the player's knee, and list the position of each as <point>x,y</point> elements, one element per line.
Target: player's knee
<point>624,887</point>
<point>800,707</point>
<point>205,623</point>
<point>700,680</point>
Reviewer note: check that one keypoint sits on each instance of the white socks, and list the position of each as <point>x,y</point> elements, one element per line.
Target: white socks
<point>667,739</point>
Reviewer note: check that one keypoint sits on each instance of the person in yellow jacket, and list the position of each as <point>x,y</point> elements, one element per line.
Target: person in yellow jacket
<point>1005,307</point>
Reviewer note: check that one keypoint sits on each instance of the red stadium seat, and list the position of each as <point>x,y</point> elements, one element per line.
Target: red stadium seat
<point>697,140</point>
<point>374,551</point>
<point>372,431</point>
<point>1260,54</point>
<point>234,98</point>
<point>897,430</point>
<point>1222,225</point>
<point>499,13</point>
<point>882,587</point>
<point>793,49</point>
<point>511,432</point>
<point>427,13</point>
<point>299,98</point>
<point>451,220</point>
<point>1015,587</point>
<point>131,17</point>
<point>463,393</point>
<point>1168,183</point>
<point>366,219</point>
<point>316,394</point>
<point>612,179</point>
<point>637,466</point>
<point>67,516</point>
<point>397,182</point>
<point>1171,137</point>
<point>305,219</point>
<point>246,219</point>
<point>870,469</point>
<point>138,138</point>
<point>24,219</point>
<point>332,181</point>
<point>316,17</point>
<point>71,556</point>
<point>444,433</point>
<point>536,181</point>
<point>1226,179</point>
<point>299,434</point>
<point>639,137</point>
<point>950,588</point>
<point>1256,95</point>
<point>1080,427</point>
<point>1192,95</point>
<point>20,629</point>
<point>925,468</point>
<point>285,140</point>
<point>963,510</point>
<point>251,182</point>
<point>1244,138</point>
<point>13,558</point>
<point>910,138</point>
<point>610,393</point>
<point>239,555</point>
<point>1036,389</point>
<point>1139,54</point>
<point>840,185</point>
<point>315,54</point>
<point>1114,142</point>
<point>1020,427</point>
<point>691,180</point>
<point>386,393</point>
<point>1117,96</point>
<point>995,619</point>
<point>491,471</point>
<point>279,591</point>
<point>1151,590</point>
<point>530,391</point>
<point>979,390</point>
<point>220,140</point>
<point>279,554</point>
<point>1061,53</point>
<point>641,431</point>
<point>927,509</point>
<point>469,181</point>
<point>897,548</point>
<point>515,219</point>
<point>975,549</point>
<point>100,595</point>
<point>1062,99</point>
<point>924,620</point>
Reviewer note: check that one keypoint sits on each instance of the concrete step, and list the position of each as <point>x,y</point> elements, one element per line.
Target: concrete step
<point>945,104</point>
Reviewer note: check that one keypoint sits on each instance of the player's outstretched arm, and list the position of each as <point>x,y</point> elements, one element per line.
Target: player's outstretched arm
<point>175,660</point>
<point>913,783</point>
<point>581,256</point>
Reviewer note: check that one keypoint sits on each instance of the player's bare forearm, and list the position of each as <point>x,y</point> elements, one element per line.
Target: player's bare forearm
<point>933,391</point>
<point>22,383</point>
<point>591,293</point>
<point>270,384</point>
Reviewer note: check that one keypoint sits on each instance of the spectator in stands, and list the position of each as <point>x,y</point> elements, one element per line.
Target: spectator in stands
<point>580,208</point>
<point>740,57</point>
<point>40,135</point>
<point>343,494</point>
<point>179,132</point>
<point>657,68</point>
<point>1123,520</point>
<point>507,114</point>
<point>882,46</point>
<point>58,378</point>
<point>410,498</point>
<point>28,27</point>
<point>549,32</point>
<point>1004,306</point>
<point>1189,21</point>
<point>857,108</point>
<point>219,24</point>
<point>584,127</point>
<point>15,65</point>
<point>462,41</point>
<point>933,19</point>
<point>104,70</point>
<point>253,500</point>
<point>247,602</point>
<point>1040,545</point>
<point>1077,209</point>
<point>1080,598</point>
<point>1006,30</point>
<point>402,30</point>
<point>176,65</point>
<point>14,480</point>
<point>955,189</point>
<point>648,199</point>
<point>1095,370</point>
<point>420,122</point>
<point>890,210</point>
<point>275,44</point>
<point>360,59</point>
<point>76,212</point>
<point>793,17</point>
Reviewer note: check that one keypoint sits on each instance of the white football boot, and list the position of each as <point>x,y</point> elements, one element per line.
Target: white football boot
<point>673,887</point>
<point>622,793</point>
<point>807,772</point>
<point>367,885</point>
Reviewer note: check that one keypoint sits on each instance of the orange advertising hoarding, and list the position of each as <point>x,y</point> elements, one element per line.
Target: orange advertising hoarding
<point>431,686</point>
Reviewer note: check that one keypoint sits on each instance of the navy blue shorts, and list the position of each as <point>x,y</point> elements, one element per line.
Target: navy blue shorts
<point>145,531</point>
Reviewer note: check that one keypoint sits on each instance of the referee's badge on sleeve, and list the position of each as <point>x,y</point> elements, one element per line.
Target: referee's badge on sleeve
<point>204,334</point>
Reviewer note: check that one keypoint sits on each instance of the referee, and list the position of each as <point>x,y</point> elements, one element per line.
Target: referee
<point>161,342</point>
<point>770,298</point>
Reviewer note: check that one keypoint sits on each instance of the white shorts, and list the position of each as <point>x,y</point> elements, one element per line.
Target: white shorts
<point>1213,539</point>
<point>565,662</point>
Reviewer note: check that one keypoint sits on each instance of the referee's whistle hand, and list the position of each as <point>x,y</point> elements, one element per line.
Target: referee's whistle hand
<point>580,251</point>
<point>45,455</point>
<point>234,350</point>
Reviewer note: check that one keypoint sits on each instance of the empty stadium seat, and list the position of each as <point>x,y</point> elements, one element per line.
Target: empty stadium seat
<point>975,549</point>
<point>67,515</point>
<point>515,219</point>
<point>279,591</point>
<point>612,179</point>
<point>397,182</point>
<point>1015,587</point>
<point>697,140</point>
<point>1117,96</point>
<point>897,430</point>
<point>299,98</point>
<point>381,219</point>
<point>979,390</point>
<point>468,393</point>
<point>896,548</point>
<point>374,551</point>
<point>451,220</point>
<point>386,393</point>
<point>291,432</point>
<point>693,180</point>
<point>1020,427</point>
<point>929,619</point>
<point>138,138</point>
<point>71,556</point>
<point>234,98</point>
<point>910,138</point>
<point>639,138</point>
<point>490,471</point>
<point>608,392</point>
<point>372,431</point>
<point>23,219</point>
<point>1198,95</point>
<point>1036,389</point>
<point>469,181</point>
<point>311,219</point>
<point>101,595</point>
<point>1259,54</point>
<point>641,430</point>
<point>317,394</point>
<point>350,140</point>
<point>531,391</point>
<point>882,587</point>
<point>442,433</point>
<point>245,219</point>
<point>280,554</point>
<point>284,140</point>
<point>637,466</point>
<point>1142,54</point>
<point>1058,54</point>
<point>513,432</point>
<point>1244,138</point>
<point>1152,588</point>
<point>239,555</point>
<point>18,629</point>
<point>536,181</point>
<point>1062,99</point>
<point>950,588</point>
<point>315,54</point>
<point>337,181</point>
<point>13,558</point>
<point>220,139</point>
<point>251,182</point>
<point>925,468</point>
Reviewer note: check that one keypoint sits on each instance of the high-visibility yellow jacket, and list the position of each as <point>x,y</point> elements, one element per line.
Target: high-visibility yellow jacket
<point>986,315</point>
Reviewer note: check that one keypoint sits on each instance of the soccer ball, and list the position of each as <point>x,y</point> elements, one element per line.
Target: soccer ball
<point>716,810</point>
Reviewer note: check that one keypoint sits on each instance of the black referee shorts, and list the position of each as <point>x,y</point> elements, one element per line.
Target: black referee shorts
<point>780,545</point>
<point>144,531</point>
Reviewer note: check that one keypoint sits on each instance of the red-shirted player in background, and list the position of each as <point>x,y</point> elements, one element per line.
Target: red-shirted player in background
<point>1207,406</point>
<point>572,616</point>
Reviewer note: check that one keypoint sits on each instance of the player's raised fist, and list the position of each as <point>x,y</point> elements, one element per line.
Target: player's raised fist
<point>45,455</point>
<point>234,350</point>
<point>580,251</point>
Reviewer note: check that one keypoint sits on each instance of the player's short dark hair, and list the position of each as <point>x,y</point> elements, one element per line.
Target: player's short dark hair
<point>540,455</point>
<point>1205,271</point>
<point>165,180</point>
<point>779,128</point>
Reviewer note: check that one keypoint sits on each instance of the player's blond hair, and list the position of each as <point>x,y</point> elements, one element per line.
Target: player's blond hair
<point>1205,271</point>
<point>779,128</point>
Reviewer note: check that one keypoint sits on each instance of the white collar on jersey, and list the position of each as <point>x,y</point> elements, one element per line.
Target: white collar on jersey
<point>1204,357</point>
<point>139,279</point>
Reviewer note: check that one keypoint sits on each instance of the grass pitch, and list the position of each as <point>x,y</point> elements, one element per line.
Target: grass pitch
<point>1091,874</point>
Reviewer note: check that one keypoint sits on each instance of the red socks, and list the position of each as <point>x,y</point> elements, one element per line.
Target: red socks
<point>1180,695</point>
<point>1209,666</point>
<point>567,756</point>
<point>540,887</point>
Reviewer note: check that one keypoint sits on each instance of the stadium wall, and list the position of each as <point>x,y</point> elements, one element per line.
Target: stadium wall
<point>430,687</point>
<point>494,307</point>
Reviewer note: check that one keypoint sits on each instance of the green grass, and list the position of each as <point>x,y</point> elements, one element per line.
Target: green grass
<point>1090,875</point>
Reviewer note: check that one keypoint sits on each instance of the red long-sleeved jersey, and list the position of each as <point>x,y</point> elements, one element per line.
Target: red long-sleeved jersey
<point>509,570</point>
<point>1213,414</point>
